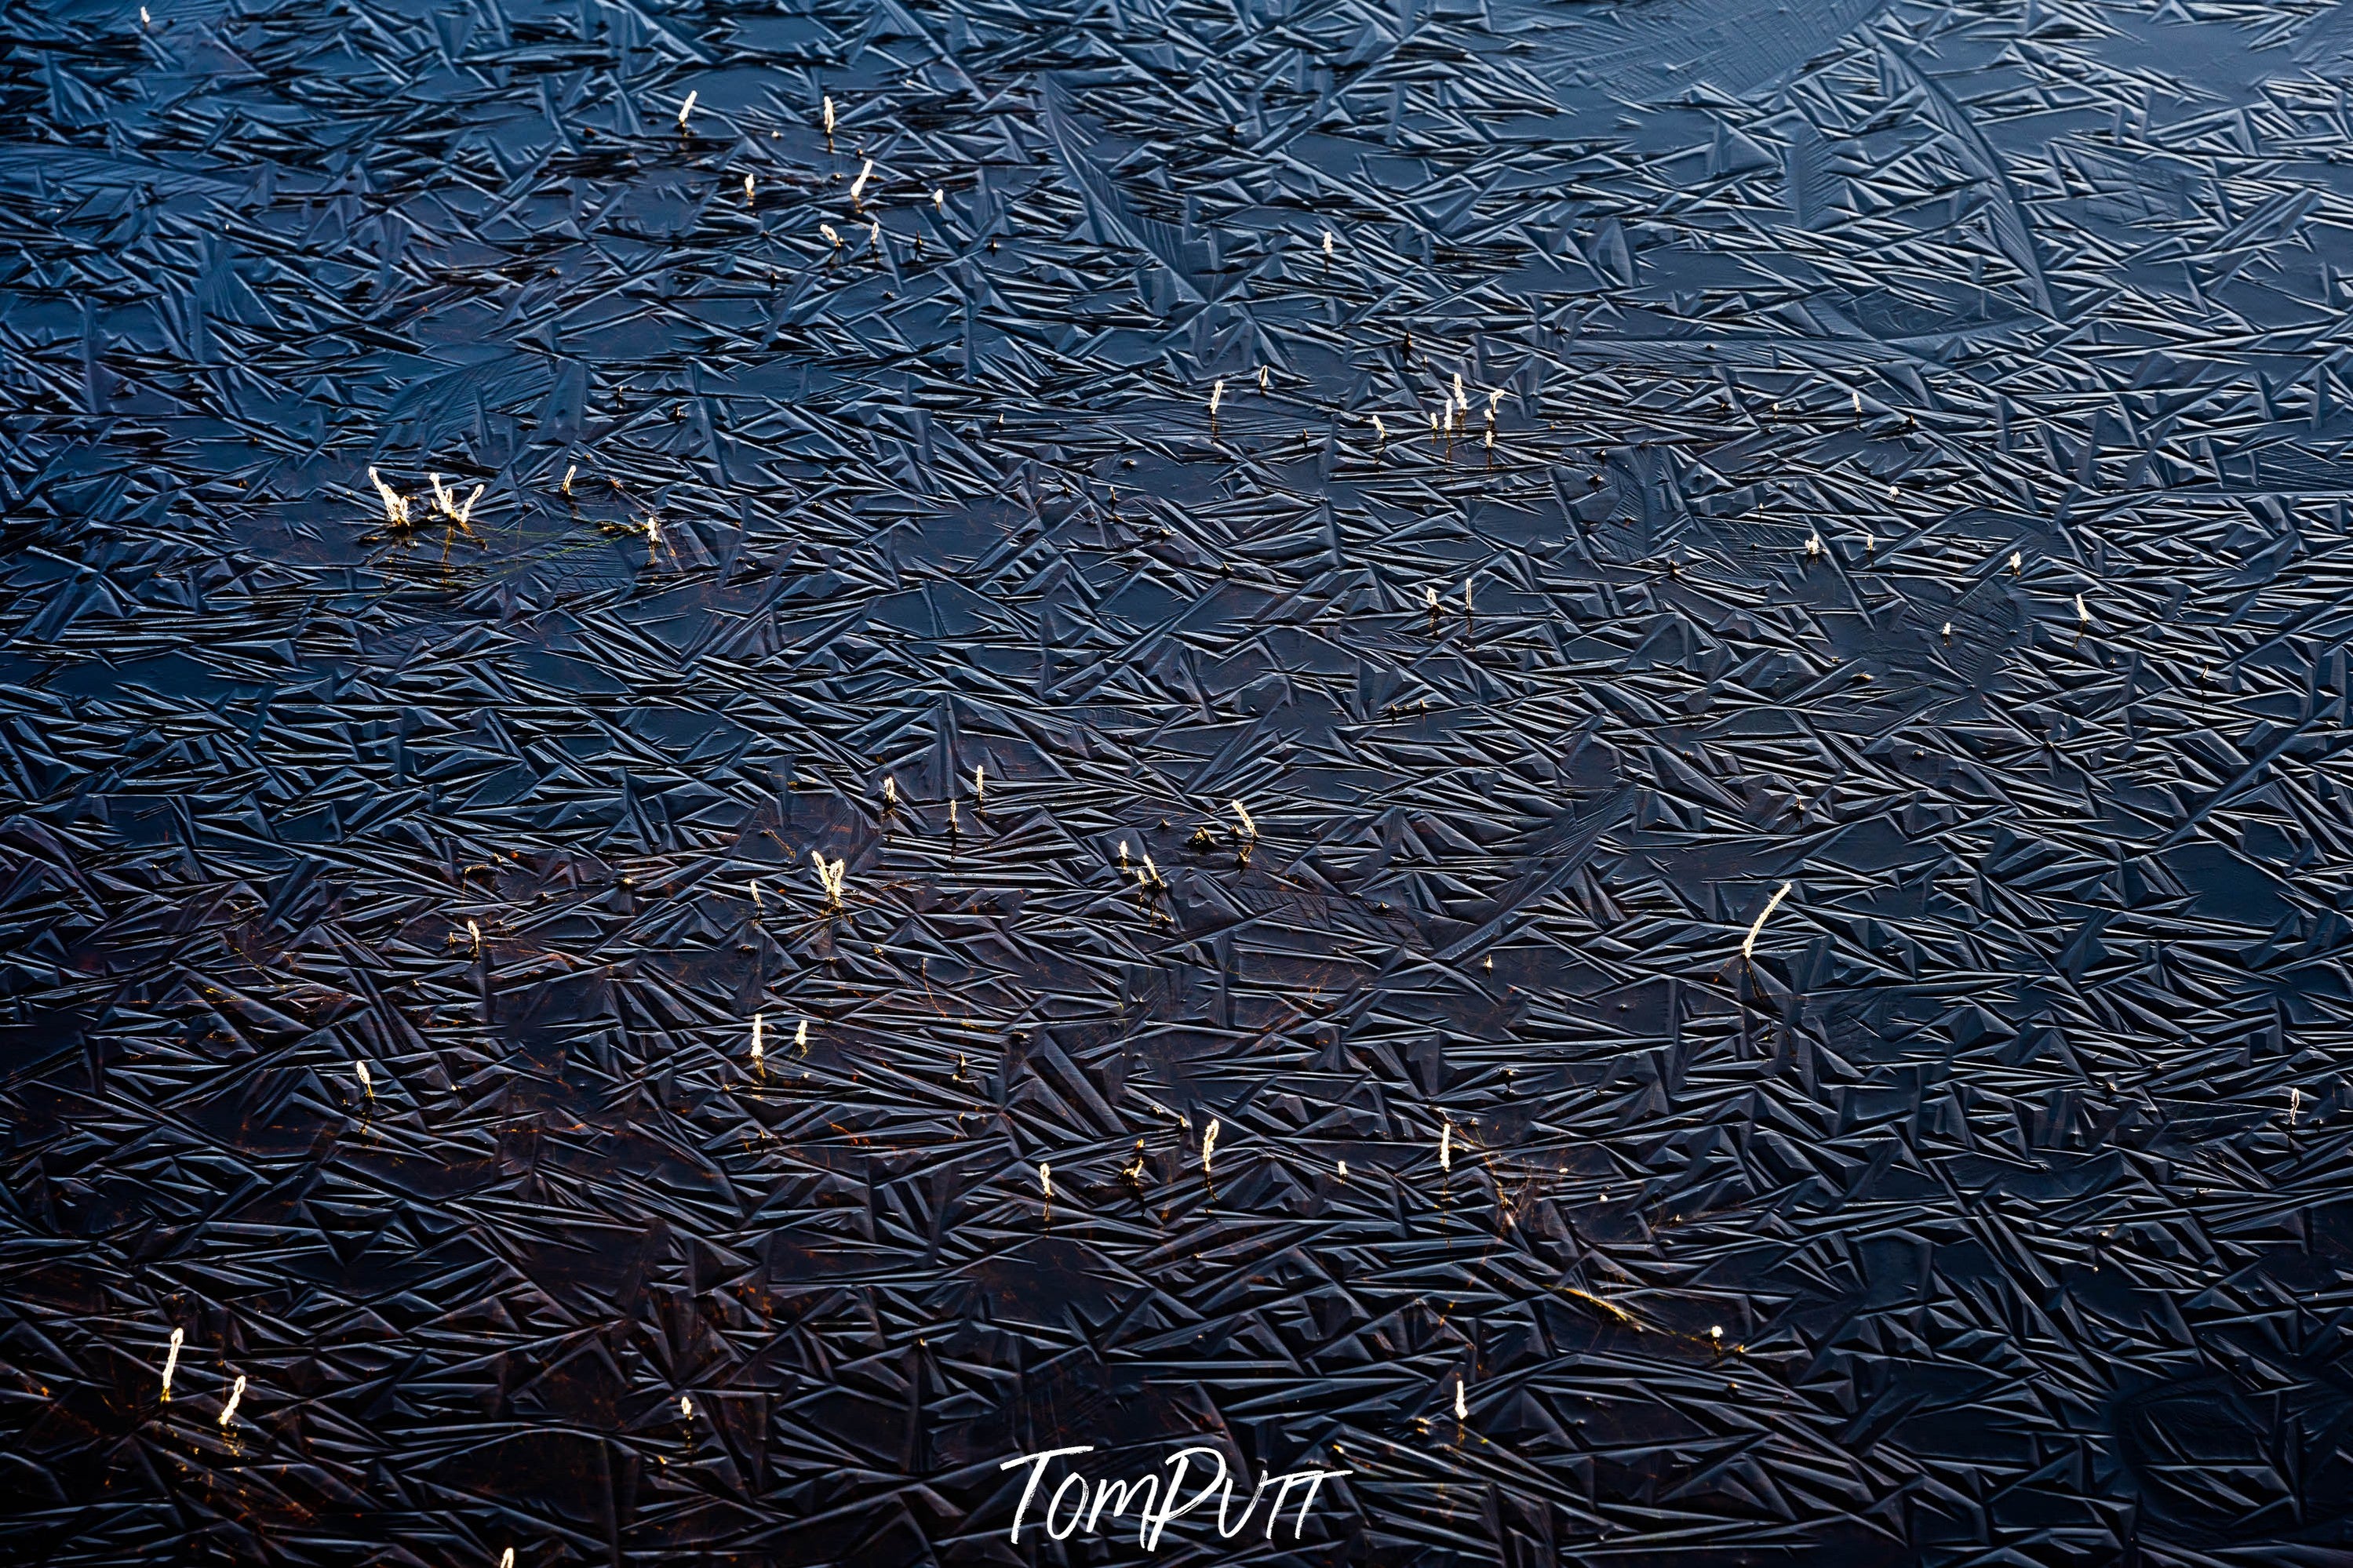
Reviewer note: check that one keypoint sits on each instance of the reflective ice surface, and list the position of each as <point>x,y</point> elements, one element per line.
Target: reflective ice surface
<point>1661,452</point>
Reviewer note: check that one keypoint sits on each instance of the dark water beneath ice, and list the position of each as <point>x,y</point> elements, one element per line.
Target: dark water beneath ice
<point>1898,455</point>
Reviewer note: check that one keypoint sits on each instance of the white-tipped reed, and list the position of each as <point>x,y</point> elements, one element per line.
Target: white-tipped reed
<point>1208,1147</point>
<point>395,509</point>
<point>1446,1145</point>
<point>980,783</point>
<point>939,200</point>
<point>1217,395</point>
<point>1748,944</point>
<point>1046,1181</point>
<point>831,238</point>
<point>800,1038</point>
<point>367,1082</point>
<point>567,478</point>
<point>1380,430</point>
<point>756,1022</point>
<point>858,185</point>
<point>829,118</point>
<point>172,1358</point>
<point>831,876</point>
<point>2083,615</point>
<point>686,109</point>
<point>228,1411</point>
<point>1328,245</point>
<point>1242,816</point>
<point>1462,1408</point>
<point>685,1408</point>
<point>750,186</point>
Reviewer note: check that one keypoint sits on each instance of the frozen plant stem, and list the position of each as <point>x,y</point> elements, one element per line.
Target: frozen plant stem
<point>1748,944</point>
<point>228,1411</point>
<point>1208,1147</point>
<point>686,109</point>
<point>172,1358</point>
<point>395,509</point>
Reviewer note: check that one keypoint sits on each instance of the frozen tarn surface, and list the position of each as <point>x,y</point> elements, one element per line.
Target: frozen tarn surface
<point>1915,479</point>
